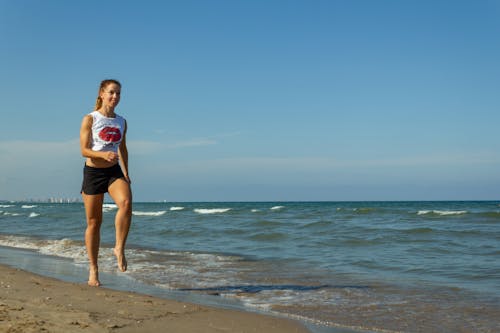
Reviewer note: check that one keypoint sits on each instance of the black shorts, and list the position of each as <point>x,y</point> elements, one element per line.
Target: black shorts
<point>97,180</point>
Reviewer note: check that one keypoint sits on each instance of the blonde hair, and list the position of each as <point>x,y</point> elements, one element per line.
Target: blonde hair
<point>104,84</point>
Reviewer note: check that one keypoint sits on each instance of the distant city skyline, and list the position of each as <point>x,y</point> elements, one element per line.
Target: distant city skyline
<point>44,200</point>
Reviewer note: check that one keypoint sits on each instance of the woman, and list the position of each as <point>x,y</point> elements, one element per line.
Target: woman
<point>103,144</point>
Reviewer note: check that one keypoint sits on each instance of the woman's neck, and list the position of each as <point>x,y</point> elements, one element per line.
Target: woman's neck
<point>107,111</point>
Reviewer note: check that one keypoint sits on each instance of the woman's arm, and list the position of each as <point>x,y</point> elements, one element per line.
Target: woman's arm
<point>85,140</point>
<point>123,153</point>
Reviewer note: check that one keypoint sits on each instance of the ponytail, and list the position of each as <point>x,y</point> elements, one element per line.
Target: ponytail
<point>98,103</point>
<point>104,84</point>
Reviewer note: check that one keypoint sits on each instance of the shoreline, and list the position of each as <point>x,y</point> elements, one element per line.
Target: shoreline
<point>31,303</point>
<point>34,277</point>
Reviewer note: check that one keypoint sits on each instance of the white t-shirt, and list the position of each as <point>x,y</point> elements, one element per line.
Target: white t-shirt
<point>107,133</point>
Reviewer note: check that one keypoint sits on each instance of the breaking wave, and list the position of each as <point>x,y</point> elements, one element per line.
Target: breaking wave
<point>211,210</point>
<point>442,212</point>
<point>139,213</point>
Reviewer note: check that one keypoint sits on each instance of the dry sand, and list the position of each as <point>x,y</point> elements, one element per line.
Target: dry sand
<point>32,303</point>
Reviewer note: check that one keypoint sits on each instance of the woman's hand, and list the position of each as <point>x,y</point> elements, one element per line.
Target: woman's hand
<point>110,156</point>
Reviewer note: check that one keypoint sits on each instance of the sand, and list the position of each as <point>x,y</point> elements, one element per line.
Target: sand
<point>32,303</point>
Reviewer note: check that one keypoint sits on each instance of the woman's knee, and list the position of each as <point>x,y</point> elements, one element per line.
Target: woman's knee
<point>94,223</point>
<point>124,203</point>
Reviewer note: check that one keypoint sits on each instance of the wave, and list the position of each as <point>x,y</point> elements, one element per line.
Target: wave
<point>358,210</point>
<point>442,212</point>
<point>364,210</point>
<point>19,242</point>
<point>490,214</point>
<point>176,208</point>
<point>139,213</point>
<point>28,206</point>
<point>211,210</point>
<point>277,207</point>
<point>317,224</point>
<point>6,206</point>
<point>422,230</point>
<point>12,214</point>
<point>267,223</point>
<point>66,248</point>
<point>32,214</point>
<point>110,206</point>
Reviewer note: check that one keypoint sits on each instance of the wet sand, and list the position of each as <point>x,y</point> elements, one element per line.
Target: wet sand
<point>33,303</point>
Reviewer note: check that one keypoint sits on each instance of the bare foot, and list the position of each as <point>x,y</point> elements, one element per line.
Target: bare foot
<point>94,278</point>
<point>120,258</point>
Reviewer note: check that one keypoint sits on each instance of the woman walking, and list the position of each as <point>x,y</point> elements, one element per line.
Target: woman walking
<point>103,144</point>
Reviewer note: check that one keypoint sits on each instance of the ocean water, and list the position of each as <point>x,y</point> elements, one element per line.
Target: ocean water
<point>369,266</point>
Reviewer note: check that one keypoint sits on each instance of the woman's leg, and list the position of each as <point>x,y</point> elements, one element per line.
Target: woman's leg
<point>121,194</point>
<point>93,210</point>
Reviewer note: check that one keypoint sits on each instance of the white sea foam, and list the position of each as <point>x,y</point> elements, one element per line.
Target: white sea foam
<point>11,214</point>
<point>6,206</point>
<point>442,212</point>
<point>255,210</point>
<point>169,269</point>
<point>28,206</point>
<point>277,207</point>
<point>107,207</point>
<point>176,208</point>
<point>32,214</point>
<point>19,242</point>
<point>211,211</point>
<point>265,299</point>
<point>66,248</point>
<point>177,270</point>
<point>139,213</point>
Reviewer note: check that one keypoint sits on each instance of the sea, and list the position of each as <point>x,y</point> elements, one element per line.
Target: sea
<point>340,266</point>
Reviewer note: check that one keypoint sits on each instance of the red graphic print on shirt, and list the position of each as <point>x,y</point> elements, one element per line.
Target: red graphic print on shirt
<point>110,134</point>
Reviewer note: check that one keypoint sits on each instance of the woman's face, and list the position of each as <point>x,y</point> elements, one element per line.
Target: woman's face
<point>111,95</point>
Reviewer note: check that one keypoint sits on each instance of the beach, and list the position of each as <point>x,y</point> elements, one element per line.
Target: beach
<point>33,303</point>
<point>333,266</point>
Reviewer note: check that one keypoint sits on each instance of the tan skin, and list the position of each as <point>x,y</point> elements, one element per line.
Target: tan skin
<point>119,190</point>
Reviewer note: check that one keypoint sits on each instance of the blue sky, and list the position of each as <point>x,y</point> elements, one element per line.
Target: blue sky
<point>258,100</point>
